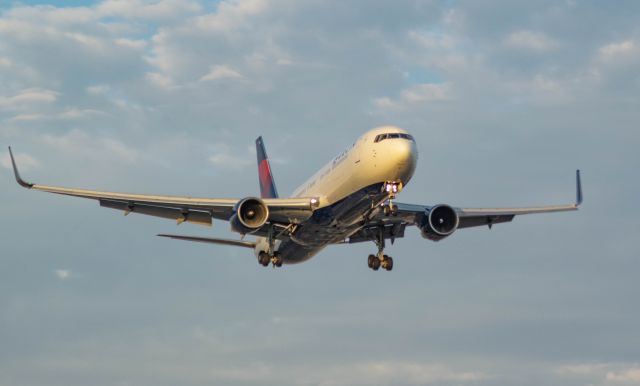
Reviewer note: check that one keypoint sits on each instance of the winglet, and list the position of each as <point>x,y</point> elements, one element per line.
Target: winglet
<point>19,179</point>
<point>578,189</point>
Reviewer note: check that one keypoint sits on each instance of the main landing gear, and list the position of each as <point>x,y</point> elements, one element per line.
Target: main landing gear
<point>270,256</point>
<point>375,262</point>
<point>264,259</point>
<point>379,260</point>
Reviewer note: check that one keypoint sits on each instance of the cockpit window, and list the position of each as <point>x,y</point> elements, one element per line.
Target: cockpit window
<point>382,137</point>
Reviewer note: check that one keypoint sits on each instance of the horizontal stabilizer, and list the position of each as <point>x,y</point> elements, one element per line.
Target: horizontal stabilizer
<point>235,243</point>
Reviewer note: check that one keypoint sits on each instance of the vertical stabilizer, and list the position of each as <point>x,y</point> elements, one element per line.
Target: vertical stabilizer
<point>267,185</point>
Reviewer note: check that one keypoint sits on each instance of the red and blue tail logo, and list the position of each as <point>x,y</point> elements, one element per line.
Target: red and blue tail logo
<point>267,186</point>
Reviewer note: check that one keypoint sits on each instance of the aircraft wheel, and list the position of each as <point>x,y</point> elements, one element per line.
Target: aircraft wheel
<point>370,260</point>
<point>375,265</point>
<point>263,259</point>
<point>386,210</point>
<point>389,263</point>
<point>277,260</point>
<point>394,210</point>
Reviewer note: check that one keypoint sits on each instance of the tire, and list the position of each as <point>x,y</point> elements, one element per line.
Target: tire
<point>376,264</point>
<point>263,259</point>
<point>370,261</point>
<point>278,262</point>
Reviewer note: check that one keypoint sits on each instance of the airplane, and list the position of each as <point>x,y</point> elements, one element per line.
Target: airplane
<point>352,199</point>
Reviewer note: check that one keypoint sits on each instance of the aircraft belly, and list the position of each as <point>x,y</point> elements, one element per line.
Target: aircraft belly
<point>330,225</point>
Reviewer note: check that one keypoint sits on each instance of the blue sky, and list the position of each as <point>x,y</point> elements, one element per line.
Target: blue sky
<point>505,99</point>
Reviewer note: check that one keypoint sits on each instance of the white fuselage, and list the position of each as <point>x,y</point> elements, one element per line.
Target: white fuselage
<point>365,164</point>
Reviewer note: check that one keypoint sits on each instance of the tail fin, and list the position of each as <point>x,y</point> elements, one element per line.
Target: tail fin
<point>267,186</point>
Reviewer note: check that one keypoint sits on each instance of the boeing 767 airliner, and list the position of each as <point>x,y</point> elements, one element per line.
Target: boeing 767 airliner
<point>349,200</point>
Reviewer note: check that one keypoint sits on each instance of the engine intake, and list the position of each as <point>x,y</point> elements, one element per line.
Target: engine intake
<point>441,221</point>
<point>250,214</point>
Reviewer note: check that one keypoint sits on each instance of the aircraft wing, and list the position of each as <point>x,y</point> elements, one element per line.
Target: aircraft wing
<point>412,214</point>
<point>181,209</point>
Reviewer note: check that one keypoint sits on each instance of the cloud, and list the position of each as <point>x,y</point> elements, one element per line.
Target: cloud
<point>603,374</point>
<point>162,10</point>
<point>98,89</point>
<point>617,49</point>
<point>226,157</point>
<point>230,15</point>
<point>356,374</point>
<point>24,161</point>
<point>139,90</point>
<point>628,376</point>
<point>80,144</point>
<point>221,72</point>
<point>27,97</point>
<point>530,41</point>
<point>395,372</point>
<point>159,80</point>
<point>63,274</point>
<point>416,95</point>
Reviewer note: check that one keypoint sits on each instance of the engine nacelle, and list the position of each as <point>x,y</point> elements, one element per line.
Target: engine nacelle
<point>249,215</point>
<point>441,221</point>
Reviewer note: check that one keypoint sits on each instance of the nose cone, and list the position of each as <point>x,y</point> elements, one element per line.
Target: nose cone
<point>404,153</point>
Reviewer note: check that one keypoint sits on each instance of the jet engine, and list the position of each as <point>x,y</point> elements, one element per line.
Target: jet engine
<point>439,222</point>
<point>249,215</point>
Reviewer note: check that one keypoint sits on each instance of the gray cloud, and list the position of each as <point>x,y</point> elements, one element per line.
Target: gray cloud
<point>504,98</point>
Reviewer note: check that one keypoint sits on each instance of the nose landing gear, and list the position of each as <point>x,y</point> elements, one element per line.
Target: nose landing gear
<point>392,188</point>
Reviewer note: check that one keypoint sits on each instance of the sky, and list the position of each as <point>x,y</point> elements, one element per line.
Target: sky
<point>505,99</point>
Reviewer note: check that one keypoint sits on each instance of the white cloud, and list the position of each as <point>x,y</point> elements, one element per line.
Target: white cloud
<point>27,117</point>
<point>159,80</point>
<point>541,89</point>
<point>604,374</point>
<point>28,97</point>
<point>82,145</point>
<point>63,274</point>
<point>530,41</point>
<point>229,161</point>
<point>416,95</point>
<point>131,43</point>
<point>24,161</point>
<point>221,72</point>
<point>230,15</point>
<point>628,376</point>
<point>98,89</point>
<point>618,54</point>
<point>75,113</point>
<point>427,93</point>
<point>390,372</point>
<point>617,49</point>
<point>158,11</point>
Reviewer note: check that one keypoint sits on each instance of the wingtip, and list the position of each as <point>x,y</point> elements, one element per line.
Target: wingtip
<point>579,197</point>
<point>16,173</point>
